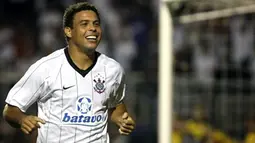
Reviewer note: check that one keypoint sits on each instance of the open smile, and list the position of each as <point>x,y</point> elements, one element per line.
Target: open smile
<point>92,38</point>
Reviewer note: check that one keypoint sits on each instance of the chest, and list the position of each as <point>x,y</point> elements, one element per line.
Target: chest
<point>71,91</point>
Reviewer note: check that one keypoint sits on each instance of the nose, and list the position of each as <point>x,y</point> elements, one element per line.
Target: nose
<point>92,27</point>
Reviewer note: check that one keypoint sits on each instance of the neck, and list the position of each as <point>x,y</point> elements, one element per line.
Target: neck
<point>82,59</point>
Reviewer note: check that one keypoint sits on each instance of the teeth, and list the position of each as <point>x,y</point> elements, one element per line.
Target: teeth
<point>91,37</point>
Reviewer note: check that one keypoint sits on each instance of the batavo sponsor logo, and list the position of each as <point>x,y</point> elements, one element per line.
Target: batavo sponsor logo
<point>84,117</point>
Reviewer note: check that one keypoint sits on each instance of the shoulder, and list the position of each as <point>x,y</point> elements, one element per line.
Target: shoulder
<point>43,65</point>
<point>52,58</point>
<point>111,64</point>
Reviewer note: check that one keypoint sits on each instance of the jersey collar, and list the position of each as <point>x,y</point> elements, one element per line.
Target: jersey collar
<point>80,71</point>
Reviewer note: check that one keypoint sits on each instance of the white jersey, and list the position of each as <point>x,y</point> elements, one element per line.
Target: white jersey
<point>73,102</point>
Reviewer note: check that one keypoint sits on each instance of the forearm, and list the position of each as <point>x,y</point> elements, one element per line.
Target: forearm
<point>117,113</point>
<point>13,115</point>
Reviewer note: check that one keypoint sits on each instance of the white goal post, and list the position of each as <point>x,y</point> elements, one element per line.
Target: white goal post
<point>165,74</point>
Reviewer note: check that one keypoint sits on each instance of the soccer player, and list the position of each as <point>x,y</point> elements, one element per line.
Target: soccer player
<point>74,87</point>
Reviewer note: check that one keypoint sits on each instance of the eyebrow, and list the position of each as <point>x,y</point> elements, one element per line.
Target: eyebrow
<point>89,21</point>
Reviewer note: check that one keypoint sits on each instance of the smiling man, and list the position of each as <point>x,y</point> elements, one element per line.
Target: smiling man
<point>76,88</point>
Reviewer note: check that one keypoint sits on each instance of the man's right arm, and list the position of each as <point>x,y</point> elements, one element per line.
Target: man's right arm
<point>23,94</point>
<point>17,119</point>
<point>13,115</point>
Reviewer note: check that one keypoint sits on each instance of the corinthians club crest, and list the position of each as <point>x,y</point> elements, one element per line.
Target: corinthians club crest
<point>99,86</point>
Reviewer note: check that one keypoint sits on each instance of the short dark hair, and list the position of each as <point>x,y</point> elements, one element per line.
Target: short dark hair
<point>75,8</point>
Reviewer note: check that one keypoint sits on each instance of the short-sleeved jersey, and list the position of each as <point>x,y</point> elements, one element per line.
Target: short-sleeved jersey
<point>73,102</point>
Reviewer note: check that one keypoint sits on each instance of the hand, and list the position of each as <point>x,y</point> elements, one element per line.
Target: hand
<point>30,123</point>
<point>127,124</point>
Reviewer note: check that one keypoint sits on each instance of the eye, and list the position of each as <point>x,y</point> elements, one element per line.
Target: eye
<point>97,24</point>
<point>84,24</point>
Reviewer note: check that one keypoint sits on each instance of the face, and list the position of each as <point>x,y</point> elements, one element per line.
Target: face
<point>86,32</point>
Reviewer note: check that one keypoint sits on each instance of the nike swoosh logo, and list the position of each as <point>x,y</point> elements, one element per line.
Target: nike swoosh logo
<point>67,87</point>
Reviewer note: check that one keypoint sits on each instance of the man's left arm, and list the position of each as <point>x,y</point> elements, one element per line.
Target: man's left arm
<point>118,111</point>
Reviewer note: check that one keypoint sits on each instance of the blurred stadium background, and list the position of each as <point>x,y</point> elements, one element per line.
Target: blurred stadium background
<point>30,29</point>
<point>214,71</point>
<point>214,68</point>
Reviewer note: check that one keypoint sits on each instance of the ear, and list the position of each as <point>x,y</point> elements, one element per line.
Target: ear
<point>68,32</point>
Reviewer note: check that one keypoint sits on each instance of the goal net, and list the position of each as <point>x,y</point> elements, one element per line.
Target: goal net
<point>213,67</point>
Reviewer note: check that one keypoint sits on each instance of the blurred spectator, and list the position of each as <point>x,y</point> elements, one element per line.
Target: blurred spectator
<point>218,136</point>
<point>8,49</point>
<point>250,125</point>
<point>125,49</point>
<point>178,130</point>
<point>50,35</point>
<point>242,37</point>
<point>198,127</point>
<point>204,63</point>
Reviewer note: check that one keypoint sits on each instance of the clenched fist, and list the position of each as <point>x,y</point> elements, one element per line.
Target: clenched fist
<point>30,123</point>
<point>127,124</point>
